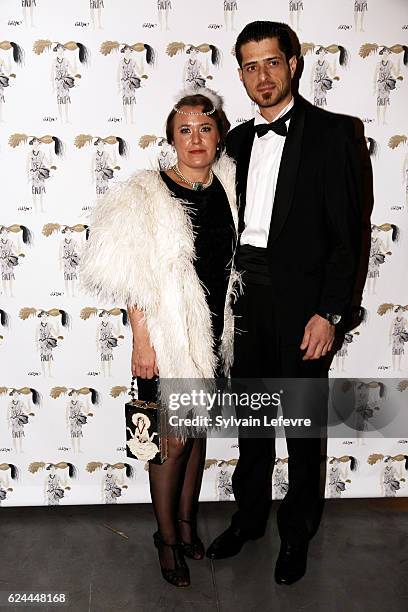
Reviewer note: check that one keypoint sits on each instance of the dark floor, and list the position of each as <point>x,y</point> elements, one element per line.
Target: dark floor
<point>358,561</point>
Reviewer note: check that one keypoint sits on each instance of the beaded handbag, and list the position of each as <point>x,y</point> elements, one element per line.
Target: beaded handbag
<point>146,429</point>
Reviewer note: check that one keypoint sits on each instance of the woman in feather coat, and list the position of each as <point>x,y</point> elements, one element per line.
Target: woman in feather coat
<point>162,242</point>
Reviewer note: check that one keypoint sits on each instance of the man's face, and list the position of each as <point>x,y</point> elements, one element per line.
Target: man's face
<point>265,73</point>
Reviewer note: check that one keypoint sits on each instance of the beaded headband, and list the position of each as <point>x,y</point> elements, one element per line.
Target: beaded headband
<point>180,112</point>
<point>216,100</point>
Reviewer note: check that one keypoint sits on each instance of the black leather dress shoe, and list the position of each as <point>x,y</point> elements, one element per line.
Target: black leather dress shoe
<point>229,543</point>
<point>291,563</point>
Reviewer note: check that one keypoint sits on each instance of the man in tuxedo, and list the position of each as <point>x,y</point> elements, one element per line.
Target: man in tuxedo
<point>299,196</point>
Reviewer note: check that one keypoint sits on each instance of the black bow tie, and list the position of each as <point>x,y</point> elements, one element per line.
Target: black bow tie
<point>278,126</point>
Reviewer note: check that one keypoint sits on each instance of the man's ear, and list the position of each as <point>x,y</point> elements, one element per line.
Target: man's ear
<point>293,65</point>
<point>240,75</point>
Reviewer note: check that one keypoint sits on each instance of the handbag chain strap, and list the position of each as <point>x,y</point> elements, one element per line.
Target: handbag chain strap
<point>132,391</point>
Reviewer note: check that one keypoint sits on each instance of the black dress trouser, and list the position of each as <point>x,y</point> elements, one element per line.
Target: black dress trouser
<point>262,350</point>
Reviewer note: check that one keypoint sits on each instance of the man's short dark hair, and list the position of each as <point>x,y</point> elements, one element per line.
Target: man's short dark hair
<point>259,30</point>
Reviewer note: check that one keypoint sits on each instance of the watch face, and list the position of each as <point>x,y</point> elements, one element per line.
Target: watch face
<point>334,319</point>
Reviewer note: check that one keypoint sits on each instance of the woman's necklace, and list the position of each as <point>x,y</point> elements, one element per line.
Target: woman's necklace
<point>196,185</point>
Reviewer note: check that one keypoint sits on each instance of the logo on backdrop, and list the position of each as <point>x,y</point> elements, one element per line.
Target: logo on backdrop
<point>47,333</point>
<point>324,72</point>
<point>398,332</point>
<point>130,72</point>
<point>400,140</point>
<point>195,72</point>
<point>108,333</point>
<point>64,75</point>
<point>387,73</point>
<point>40,162</point>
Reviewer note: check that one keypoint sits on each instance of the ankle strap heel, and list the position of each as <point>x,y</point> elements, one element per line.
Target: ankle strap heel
<point>194,549</point>
<point>179,576</point>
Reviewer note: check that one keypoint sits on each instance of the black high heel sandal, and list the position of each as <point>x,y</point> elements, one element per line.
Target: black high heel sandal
<point>180,575</point>
<point>194,549</point>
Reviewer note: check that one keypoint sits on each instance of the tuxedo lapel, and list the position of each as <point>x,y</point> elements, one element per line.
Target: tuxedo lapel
<point>288,169</point>
<point>243,159</point>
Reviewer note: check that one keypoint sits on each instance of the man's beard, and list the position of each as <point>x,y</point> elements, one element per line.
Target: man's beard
<point>269,98</point>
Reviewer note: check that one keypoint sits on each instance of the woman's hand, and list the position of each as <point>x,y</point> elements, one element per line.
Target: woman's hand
<point>143,354</point>
<point>144,360</point>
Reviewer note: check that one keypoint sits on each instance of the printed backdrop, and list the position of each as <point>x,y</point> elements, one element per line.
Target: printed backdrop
<point>85,86</point>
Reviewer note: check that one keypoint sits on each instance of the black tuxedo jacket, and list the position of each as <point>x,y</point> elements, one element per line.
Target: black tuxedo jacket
<point>315,231</point>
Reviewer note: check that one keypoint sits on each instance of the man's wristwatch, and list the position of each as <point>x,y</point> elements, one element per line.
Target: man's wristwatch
<point>334,319</point>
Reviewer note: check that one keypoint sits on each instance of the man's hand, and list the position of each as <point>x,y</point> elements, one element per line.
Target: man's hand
<point>318,338</point>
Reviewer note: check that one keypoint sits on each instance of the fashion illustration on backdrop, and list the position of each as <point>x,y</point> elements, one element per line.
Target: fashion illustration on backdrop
<point>386,74</point>
<point>130,71</point>
<point>6,75</point>
<point>323,72</point>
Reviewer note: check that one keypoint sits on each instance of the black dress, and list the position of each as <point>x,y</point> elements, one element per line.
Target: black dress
<point>214,244</point>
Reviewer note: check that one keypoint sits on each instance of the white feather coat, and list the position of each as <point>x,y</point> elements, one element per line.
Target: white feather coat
<point>140,253</point>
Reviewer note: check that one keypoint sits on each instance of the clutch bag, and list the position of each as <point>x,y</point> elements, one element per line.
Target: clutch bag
<point>146,429</point>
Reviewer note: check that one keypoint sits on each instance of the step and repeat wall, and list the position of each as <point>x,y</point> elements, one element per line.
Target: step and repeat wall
<point>85,87</point>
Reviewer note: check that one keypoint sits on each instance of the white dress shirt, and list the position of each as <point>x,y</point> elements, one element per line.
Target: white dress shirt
<point>262,177</point>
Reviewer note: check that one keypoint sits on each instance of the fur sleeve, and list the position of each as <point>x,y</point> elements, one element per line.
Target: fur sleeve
<point>116,261</point>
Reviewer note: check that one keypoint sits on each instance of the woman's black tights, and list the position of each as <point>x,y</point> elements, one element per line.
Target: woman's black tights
<point>175,488</point>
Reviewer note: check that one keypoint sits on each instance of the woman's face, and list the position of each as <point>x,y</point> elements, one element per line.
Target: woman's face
<point>192,52</point>
<point>195,138</point>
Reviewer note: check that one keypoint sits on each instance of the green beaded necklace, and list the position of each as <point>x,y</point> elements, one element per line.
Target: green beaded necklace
<point>196,185</point>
